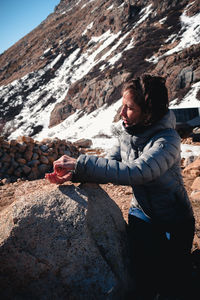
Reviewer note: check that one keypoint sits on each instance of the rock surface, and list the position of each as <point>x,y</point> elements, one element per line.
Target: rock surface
<point>65,242</point>
<point>193,169</point>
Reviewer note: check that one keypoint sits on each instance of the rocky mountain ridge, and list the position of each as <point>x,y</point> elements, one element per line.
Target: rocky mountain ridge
<point>78,58</point>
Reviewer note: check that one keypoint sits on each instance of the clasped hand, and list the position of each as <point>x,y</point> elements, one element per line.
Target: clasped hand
<point>63,170</point>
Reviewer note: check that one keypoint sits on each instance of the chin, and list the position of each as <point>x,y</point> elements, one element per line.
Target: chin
<point>125,123</point>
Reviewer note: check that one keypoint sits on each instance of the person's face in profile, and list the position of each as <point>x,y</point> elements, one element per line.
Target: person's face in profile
<point>131,113</point>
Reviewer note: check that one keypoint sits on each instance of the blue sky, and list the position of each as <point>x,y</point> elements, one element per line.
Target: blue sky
<point>19,17</point>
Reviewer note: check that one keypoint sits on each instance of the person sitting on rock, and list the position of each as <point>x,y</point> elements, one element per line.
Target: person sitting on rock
<point>147,157</point>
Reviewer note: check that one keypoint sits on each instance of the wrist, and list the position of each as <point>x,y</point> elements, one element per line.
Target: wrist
<point>75,165</point>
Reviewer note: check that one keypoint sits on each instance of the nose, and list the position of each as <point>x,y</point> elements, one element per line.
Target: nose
<point>123,111</point>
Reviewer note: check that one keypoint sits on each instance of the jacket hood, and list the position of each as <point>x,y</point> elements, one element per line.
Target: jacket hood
<point>168,121</point>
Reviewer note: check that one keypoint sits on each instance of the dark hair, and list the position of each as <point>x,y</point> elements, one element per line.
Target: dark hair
<point>150,93</point>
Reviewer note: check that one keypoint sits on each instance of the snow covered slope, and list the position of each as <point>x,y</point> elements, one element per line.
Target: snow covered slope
<point>69,71</point>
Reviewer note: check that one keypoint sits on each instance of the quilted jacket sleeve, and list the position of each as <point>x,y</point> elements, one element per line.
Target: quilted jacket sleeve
<point>114,152</point>
<point>154,162</point>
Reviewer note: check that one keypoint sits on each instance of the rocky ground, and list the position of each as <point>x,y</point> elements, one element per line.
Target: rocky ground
<point>120,194</point>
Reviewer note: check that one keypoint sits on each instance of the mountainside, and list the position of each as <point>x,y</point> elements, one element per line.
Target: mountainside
<point>74,63</point>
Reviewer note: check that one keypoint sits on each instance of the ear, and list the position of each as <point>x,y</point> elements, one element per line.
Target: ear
<point>146,119</point>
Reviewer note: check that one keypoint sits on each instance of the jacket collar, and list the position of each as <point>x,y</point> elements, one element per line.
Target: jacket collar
<point>141,133</point>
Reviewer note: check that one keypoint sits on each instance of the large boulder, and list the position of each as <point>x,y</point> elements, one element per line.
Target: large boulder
<point>63,242</point>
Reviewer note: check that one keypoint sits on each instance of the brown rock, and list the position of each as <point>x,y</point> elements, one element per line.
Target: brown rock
<point>55,155</point>
<point>60,112</point>
<point>6,158</point>
<point>61,150</point>
<point>196,184</point>
<point>84,143</point>
<point>5,167</point>
<point>21,161</point>
<point>117,80</point>
<point>30,147</point>
<point>44,160</point>
<point>18,155</point>
<point>5,180</point>
<point>68,152</point>
<point>35,156</point>
<point>51,158</point>
<point>21,147</point>
<point>36,149</point>
<point>195,195</point>
<point>20,139</point>
<point>43,148</point>
<point>34,174</point>
<point>13,150</point>
<point>18,172</point>
<point>33,163</point>
<point>50,150</point>
<point>10,170</point>
<point>25,139</point>
<point>46,141</point>
<point>14,163</point>
<point>5,145</point>
<point>193,169</point>
<point>28,155</point>
<point>26,170</point>
<point>189,160</point>
<point>13,143</point>
<point>42,169</point>
<point>44,154</point>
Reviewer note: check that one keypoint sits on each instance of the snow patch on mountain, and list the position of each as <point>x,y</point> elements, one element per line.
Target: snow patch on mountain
<point>73,68</point>
<point>190,100</point>
<point>188,35</point>
<point>97,126</point>
<point>146,12</point>
<point>88,27</point>
<point>191,34</point>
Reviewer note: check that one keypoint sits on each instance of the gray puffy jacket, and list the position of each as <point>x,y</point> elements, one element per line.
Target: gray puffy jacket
<point>150,163</point>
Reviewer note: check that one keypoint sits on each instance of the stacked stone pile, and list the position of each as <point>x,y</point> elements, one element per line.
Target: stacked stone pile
<point>28,159</point>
